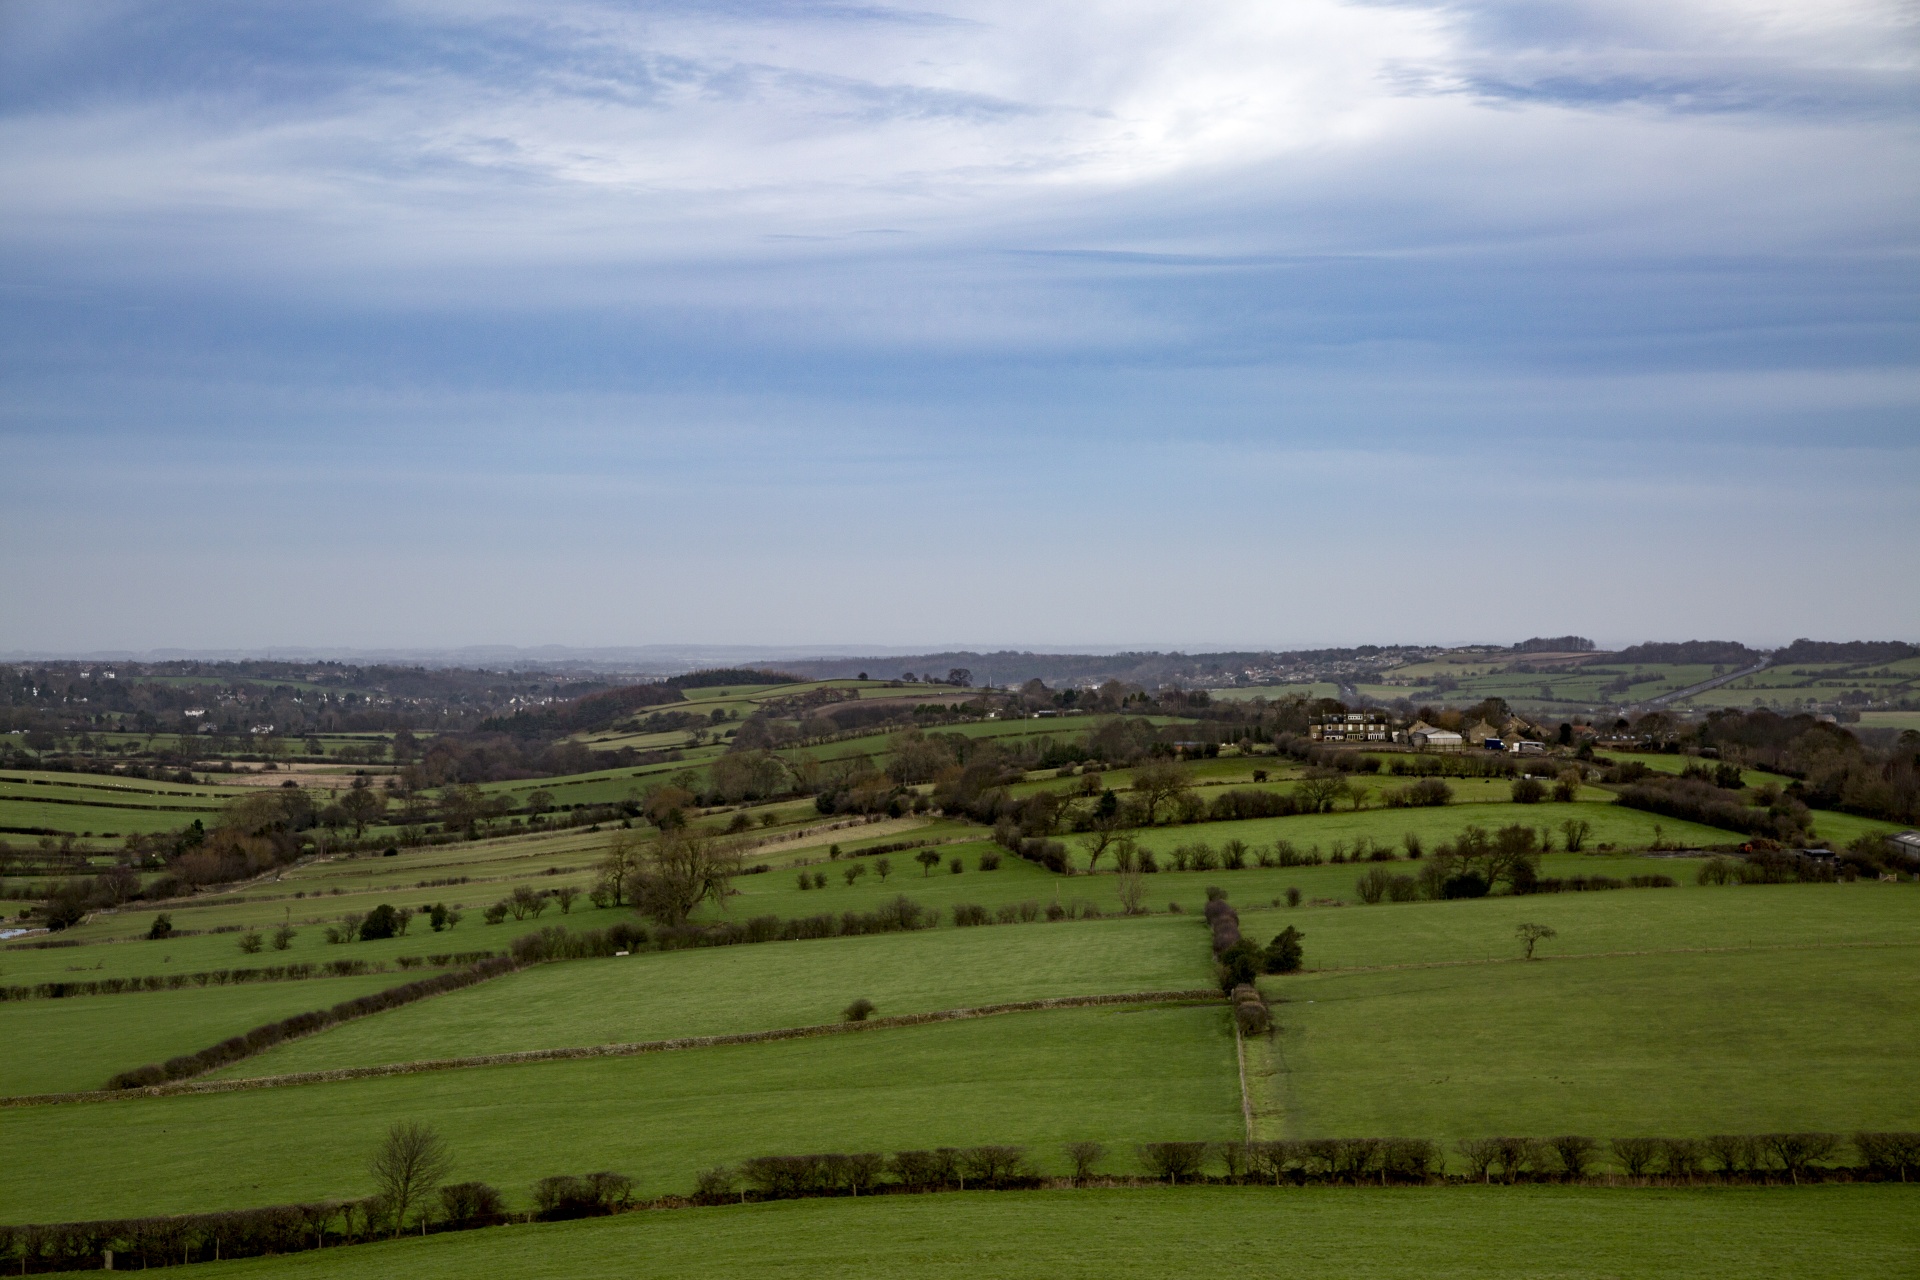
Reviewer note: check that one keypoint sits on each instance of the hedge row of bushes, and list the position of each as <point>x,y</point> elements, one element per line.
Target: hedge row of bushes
<point>264,1037</point>
<point>292,1228</point>
<point>229,977</point>
<point>967,913</point>
<point>281,1229</point>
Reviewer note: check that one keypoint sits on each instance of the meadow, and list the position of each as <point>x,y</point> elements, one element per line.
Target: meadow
<point>1120,1075</point>
<point>57,1046</point>
<point>660,995</point>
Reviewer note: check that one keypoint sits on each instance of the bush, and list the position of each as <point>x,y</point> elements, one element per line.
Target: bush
<point>471,1204</point>
<point>1173,1160</point>
<point>989,861</point>
<point>1887,1154</point>
<point>966,914</point>
<point>859,1011</point>
<point>381,922</point>
<point>1284,954</point>
<point>161,928</point>
<point>1373,886</point>
<point>717,1185</point>
<point>1084,1156</point>
<point>564,1197</point>
<point>1528,791</point>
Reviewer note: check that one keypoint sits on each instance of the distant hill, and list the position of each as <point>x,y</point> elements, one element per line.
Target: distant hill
<point>1712,652</point>
<point>1009,668</point>
<point>1856,652</point>
<point>602,710</point>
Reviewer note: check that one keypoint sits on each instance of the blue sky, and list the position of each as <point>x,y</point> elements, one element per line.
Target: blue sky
<point>1202,324</point>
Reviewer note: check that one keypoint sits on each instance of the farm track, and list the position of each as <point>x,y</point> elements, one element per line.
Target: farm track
<point>1193,996</point>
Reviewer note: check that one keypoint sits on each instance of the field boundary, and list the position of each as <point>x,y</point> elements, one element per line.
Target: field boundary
<point>1613,955</point>
<point>1205,995</point>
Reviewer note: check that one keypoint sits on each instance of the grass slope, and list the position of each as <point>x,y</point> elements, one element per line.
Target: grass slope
<point>1453,1233</point>
<point>1118,1075</point>
<point>57,1046</point>
<point>1652,1044</point>
<point>753,988</point>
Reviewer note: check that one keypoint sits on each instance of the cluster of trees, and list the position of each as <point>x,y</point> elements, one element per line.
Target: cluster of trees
<point>1768,813</point>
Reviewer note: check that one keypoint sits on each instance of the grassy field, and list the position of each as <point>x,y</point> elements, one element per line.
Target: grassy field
<point>1119,1075</point>
<point>1669,920</point>
<point>753,988</point>
<point>1670,1044</point>
<point>54,1046</point>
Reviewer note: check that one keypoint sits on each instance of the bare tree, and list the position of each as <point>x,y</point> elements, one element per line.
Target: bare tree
<point>1106,834</point>
<point>1132,884</point>
<point>1531,935</point>
<point>407,1167</point>
<point>618,869</point>
<point>1320,789</point>
<point>684,871</point>
<point>1084,1156</point>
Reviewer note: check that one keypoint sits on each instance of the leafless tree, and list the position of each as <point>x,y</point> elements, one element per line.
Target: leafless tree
<point>1159,783</point>
<point>1132,884</point>
<point>409,1164</point>
<point>683,871</point>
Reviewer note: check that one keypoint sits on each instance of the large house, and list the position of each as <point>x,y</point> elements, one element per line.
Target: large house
<point>1352,726</point>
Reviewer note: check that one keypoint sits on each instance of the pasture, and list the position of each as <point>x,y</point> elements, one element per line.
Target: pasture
<point>660,995</point>
<point>59,1046</point>
<point>1122,1075</point>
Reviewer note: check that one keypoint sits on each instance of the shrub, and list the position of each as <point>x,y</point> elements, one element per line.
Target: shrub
<point>1731,1153</point>
<point>993,1166</point>
<point>161,928</point>
<point>1795,1153</point>
<point>250,942</point>
<point>471,1204</point>
<point>921,1170</point>
<point>1173,1160</point>
<point>1528,791</point>
<point>1084,1156</point>
<point>859,1011</point>
<point>381,922</point>
<point>1293,896</point>
<point>1636,1155</point>
<point>1372,887</point>
<point>564,1197</point>
<point>989,861</point>
<point>1574,1155</point>
<point>717,1185</point>
<point>966,914</point>
<point>1889,1153</point>
<point>1284,954</point>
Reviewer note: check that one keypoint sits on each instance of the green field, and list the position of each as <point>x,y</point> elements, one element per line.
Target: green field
<point>1667,1044</point>
<point>755,988</point>
<point>55,1046</point>
<point>1121,1075</point>
<point>1456,1233</point>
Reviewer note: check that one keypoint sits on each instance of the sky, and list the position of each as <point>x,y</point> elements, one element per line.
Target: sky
<point>1114,323</point>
